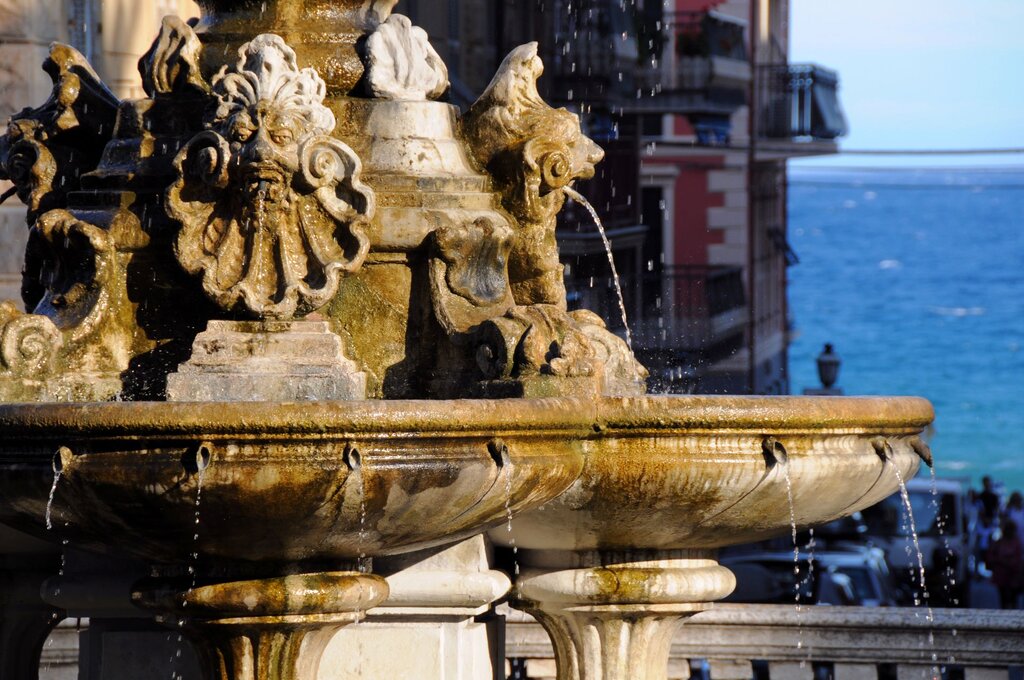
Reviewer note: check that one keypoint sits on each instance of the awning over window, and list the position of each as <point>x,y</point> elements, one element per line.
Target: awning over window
<point>829,121</point>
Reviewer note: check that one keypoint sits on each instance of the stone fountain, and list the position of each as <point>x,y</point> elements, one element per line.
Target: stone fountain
<point>298,341</point>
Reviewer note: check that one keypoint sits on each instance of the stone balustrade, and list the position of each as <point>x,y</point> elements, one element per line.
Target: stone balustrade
<point>741,642</point>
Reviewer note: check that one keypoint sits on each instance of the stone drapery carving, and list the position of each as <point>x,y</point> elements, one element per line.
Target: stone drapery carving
<point>469,273</point>
<point>273,210</point>
<point>533,151</point>
<point>172,64</point>
<point>402,64</point>
<point>45,150</point>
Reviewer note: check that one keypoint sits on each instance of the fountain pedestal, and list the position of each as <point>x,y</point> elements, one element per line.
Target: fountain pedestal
<point>25,620</point>
<point>436,616</point>
<point>612,616</point>
<point>267,629</point>
<point>265,361</point>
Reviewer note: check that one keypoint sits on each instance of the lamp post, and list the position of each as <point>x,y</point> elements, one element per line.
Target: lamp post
<point>828,372</point>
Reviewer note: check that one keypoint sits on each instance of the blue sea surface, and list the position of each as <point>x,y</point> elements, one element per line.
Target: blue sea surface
<point>917,277</point>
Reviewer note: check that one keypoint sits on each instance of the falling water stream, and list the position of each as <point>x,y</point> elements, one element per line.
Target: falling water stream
<point>797,581</point>
<point>575,195</point>
<point>950,582</point>
<point>193,570</point>
<point>922,581</point>
<point>508,515</point>
<point>57,471</point>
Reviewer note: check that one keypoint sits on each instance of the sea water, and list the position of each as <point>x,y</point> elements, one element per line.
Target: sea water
<point>917,277</point>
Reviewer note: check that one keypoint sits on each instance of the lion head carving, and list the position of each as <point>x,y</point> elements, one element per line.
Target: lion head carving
<point>533,152</point>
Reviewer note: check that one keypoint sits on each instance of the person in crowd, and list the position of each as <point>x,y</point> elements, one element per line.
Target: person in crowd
<point>990,501</point>
<point>1006,561</point>
<point>984,531</point>
<point>1015,513</point>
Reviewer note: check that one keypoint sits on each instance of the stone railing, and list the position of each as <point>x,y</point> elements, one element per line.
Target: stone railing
<point>741,642</point>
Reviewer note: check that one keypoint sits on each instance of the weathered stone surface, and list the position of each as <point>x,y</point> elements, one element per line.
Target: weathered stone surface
<point>272,209</point>
<point>282,483</point>
<point>402,64</point>
<point>267,361</point>
<point>324,33</point>
<point>616,619</point>
<point>533,151</point>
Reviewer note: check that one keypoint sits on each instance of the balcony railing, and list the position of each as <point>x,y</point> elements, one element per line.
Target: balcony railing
<point>595,53</point>
<point>742,642</point>
<point>701,69</point>
<point>682,309</point>
<point>800,101</point>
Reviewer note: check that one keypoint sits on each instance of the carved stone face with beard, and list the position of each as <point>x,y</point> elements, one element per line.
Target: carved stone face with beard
<point>272,209</point>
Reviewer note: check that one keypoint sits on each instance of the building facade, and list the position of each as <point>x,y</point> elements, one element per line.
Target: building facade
<point>730,111</point>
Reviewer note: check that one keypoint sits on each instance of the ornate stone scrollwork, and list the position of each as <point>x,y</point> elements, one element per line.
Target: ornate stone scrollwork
<point>273,210</point>
<point>45,150</point>
<point>73,264</point>
<point>533,151</point>
<point>529,346</point>
<point>29,343</point>
<point>402,64</point>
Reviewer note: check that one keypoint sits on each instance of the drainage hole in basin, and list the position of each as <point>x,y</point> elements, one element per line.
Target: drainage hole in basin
<point>774,452</point>
<point>499,453</point>
<point>197,458</point>
<point>353,459</point>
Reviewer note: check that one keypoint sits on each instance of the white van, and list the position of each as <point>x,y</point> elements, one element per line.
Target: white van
<point>943,536</point>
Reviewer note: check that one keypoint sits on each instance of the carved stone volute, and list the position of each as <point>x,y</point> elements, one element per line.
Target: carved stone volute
<point>45,150</point>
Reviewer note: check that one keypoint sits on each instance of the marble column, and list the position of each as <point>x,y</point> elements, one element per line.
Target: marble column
<point>437,623</point>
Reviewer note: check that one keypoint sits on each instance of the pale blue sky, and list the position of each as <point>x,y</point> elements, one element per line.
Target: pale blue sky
<point>918,74</point>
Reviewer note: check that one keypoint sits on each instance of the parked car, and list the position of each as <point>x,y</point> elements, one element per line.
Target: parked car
<point>850,577</point>
<point>943,536</point>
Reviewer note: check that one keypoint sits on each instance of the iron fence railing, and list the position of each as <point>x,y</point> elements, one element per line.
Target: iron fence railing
<point>681,308</point>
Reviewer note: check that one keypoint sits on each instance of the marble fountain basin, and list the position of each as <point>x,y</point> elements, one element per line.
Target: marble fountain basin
<point>322,481</point>
<point>303,483</point>
<point>699,473</point>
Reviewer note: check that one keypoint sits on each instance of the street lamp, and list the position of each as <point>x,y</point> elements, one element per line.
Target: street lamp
<point>828,367</point>
<point>828,372</point>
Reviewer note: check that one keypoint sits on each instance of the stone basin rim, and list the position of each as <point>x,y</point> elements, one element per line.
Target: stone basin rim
<point>696,415</point>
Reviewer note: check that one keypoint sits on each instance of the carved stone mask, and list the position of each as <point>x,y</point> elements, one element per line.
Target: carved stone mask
<point>272,209</point>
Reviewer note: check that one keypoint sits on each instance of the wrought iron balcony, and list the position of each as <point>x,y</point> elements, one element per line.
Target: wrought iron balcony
<point>702,69</point>
<point>800,101</point>
<point>594,55</point>
<point>681,309</point>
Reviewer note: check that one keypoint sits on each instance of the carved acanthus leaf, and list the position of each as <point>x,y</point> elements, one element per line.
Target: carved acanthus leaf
<point>402,64</point>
